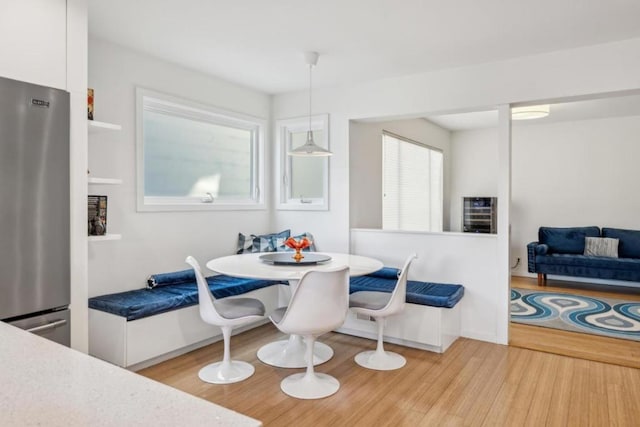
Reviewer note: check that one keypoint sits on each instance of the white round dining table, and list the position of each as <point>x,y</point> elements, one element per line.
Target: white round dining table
<point>290,353</point>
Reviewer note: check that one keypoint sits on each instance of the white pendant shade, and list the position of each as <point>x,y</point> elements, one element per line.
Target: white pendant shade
<point>310,148</point>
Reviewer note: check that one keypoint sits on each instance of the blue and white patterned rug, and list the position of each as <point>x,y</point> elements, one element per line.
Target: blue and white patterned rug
<point>577,313</point>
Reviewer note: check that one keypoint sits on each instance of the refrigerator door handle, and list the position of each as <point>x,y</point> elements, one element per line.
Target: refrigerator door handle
<point>48,326</point>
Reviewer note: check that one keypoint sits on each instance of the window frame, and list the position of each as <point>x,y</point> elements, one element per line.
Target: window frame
<point>284,127</point>
<point>422,145</point>
<point>180,107</point>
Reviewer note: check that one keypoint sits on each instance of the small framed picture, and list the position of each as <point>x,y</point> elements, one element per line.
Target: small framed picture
<point>97,215</point>
<point>90,104</point>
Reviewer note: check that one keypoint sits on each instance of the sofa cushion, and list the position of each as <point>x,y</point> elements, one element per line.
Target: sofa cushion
<point>629,241</point>
<point>424,293</point>
<point>607,263</point>
<point>567,240</point>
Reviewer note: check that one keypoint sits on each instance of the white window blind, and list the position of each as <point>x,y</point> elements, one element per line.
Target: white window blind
<point>412,185</point>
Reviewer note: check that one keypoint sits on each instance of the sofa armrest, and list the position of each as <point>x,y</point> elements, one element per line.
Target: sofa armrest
<point>533,249</point>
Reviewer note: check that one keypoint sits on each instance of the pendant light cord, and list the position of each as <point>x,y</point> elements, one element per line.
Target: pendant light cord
<point>310,86</point>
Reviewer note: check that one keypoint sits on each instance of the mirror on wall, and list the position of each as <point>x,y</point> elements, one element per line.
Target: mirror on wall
<point>303,181</point>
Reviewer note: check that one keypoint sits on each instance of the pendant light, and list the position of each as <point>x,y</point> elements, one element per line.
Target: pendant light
<point>310,148</point>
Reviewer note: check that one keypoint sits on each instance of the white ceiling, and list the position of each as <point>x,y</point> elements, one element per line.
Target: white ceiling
<point>257,43</point>
<point>620,106</point>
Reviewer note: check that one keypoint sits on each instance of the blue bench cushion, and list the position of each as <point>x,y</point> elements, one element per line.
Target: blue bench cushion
<point>141,303</point>
<point>423,293</point>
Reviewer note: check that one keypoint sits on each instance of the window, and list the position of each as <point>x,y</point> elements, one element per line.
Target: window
<point>304,181</point>
<point>412,185</point>
<point>194,157</point>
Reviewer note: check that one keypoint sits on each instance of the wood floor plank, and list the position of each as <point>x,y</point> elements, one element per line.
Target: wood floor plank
<point>473,383</point>
<point>541,401</point>
<point>561,393</point>
<point>527,388</point>
<point>579,402</point>
<point>517,363</point>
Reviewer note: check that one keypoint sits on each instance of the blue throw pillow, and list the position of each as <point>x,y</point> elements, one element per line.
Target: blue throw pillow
<point>173,278</point>
<point>386,273</point>
<point>278,243</point>
<point>260,243</point>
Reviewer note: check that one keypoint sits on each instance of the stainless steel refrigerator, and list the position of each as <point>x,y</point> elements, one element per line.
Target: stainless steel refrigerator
<point>34,209</point>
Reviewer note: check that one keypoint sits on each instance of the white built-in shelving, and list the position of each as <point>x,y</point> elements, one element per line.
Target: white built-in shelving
<point>104,181</point>
<point>108,236</point>
<point>96,127</point>
<point>99,127</point>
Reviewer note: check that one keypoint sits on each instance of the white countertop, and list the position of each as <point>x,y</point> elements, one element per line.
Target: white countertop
<point>44,383</point>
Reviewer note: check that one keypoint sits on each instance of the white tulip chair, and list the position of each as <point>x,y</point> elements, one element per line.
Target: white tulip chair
<point>225,313</point>
<point>380,305</point>
<point>319,304</point>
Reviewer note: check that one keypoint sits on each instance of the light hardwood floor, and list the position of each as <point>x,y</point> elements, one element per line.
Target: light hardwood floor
<point>473,383</point>
<point>585,346</point>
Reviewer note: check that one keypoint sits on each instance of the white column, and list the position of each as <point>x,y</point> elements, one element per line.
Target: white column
<point>77,42</point>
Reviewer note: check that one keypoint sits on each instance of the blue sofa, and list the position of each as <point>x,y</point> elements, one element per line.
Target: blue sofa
<point>560,251</point>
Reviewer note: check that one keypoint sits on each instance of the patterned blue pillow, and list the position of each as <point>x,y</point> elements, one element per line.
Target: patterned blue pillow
<point>279,245</point>
<point>261,243</point>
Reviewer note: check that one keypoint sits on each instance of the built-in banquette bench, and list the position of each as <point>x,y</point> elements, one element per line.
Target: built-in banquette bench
<point>430,319</point>
<point>141,327</point>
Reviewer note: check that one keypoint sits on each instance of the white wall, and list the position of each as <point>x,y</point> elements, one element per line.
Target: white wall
<point>457,258</point>
<point>365,165</point>
<point>574,174</point>
<point>570,73</point>
<point>154,242</point>
<point>566,174</point>
<point>33,41</point>
<point>474,169</point>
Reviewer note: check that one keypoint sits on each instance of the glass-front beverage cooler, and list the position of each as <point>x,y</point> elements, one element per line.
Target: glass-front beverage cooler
<point>479,214</point>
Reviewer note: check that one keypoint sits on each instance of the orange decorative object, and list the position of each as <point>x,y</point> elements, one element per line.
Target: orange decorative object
<point>298,246</point>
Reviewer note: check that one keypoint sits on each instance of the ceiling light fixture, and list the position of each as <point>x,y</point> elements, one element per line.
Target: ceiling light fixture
<point>530,112</point>
<point>310,148</point>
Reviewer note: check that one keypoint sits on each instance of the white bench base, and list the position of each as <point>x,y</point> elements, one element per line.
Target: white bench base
<point>144,342</point>
<point>418,326</point>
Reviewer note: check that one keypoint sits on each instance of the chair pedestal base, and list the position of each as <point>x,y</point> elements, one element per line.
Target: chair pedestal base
<point>380,360</point>
<point>226,372</point>
<point>305,386</point>
<point>291,353</point>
